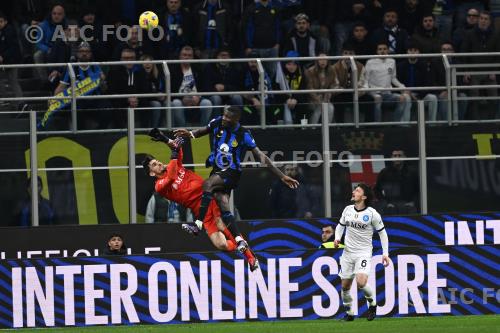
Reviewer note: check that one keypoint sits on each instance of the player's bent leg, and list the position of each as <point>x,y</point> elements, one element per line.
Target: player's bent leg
<point>209,185</point>
<point>220,242</point>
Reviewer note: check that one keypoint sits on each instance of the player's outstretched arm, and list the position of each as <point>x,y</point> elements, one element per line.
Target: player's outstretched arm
<point>289,181</point>
<point>184,133</point>
<point>157,135</point>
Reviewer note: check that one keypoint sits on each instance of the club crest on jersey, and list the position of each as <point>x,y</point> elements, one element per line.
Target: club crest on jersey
<point>234,143</point>
<point>365,218</point>
<point>223,159</point>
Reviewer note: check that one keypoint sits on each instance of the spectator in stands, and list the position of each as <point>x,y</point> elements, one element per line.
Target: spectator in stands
<point>289,76</point>
<point>127,79</point>
<point>348,12</point>
<point>462,6</point>
<point>484,39</point>
<point>65,50</point>
<point>381,73</point>
<point>410,15</point>
<point>322,15</point>
<point>283,200</point>
<point>254,104</point>
<point>301,40</point>
<point>188,79</point>
<point>9,53</point>
<point>98,117</point>
<point>261,32</point>
<point>133,43</point>
<point>224,76</point>
<point>320,76</point>
<point>395,37</point>
<point>470,24</point>
<point>45,41</point>
<point>327,238</point>
<point>360,42</point>
<point>46,212</point>
<point>345,80</point>
<point>213,27</point>
<point>427,36</point>
<point>177,23</point>
<point>156,80</point>
<point>93,34</point>
<point>440,76</point>
<point>115,246</point>
<point>443,11</point>
<point>397,187</point>
<point>28,13</point>
<point>161,210</point>
<point>418,72</point>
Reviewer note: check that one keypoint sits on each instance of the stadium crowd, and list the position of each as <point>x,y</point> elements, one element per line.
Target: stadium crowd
<point>254,28</point>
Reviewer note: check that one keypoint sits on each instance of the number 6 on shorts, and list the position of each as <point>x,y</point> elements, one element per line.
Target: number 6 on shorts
<point>362,265</point>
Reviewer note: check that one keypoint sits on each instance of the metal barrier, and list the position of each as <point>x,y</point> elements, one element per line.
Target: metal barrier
<point>452,71</point>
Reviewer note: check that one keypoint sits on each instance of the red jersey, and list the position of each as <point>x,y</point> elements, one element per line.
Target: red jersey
<point>181,185</point>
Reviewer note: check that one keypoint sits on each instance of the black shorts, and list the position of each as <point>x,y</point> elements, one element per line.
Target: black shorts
<point>230,177</point>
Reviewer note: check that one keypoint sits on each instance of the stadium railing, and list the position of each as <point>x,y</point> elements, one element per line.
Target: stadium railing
<point>453,71</point>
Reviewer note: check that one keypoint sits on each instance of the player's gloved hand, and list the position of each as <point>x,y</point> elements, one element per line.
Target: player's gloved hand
<point>157,135</point>
<point>175,145</point>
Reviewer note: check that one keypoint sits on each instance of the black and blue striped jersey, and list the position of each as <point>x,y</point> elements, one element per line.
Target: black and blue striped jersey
<point>228,145</point>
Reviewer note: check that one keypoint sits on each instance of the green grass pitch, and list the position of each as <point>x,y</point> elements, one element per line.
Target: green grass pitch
<point>448,324</point>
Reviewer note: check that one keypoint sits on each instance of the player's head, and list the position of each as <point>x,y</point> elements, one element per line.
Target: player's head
<point>362,193</point>
<point>231,116</point>
<point>153,167</point>
<point>327,233</point>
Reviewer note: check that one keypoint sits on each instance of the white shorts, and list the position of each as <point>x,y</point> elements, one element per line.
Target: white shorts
<point>350,266</point>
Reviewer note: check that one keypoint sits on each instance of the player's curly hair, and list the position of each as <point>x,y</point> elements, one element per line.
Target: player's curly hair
<point>145,163</point>
<point>367,190</point>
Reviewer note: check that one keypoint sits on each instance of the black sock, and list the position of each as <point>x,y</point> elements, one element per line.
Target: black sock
<point>231,224</point>
<point>206,197</point>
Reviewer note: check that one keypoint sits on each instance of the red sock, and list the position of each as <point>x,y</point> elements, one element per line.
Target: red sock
<point>248,254</point>
<point>228,234</point>
<point>231,245</point>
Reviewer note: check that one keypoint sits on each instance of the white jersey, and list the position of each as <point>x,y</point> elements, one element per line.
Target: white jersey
<point>360,226</point>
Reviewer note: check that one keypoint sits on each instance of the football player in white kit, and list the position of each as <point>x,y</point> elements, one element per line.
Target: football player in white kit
<point>361,221</point>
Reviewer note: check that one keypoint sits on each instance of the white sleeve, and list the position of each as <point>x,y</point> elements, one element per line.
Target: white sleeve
<point>378,225</point>
<point>339,230</point>
<point>384,240</point>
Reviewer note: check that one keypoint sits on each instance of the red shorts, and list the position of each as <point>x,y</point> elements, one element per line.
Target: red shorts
<point>210,221</point>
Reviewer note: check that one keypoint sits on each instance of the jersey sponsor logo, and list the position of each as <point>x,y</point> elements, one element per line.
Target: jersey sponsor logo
<point>180,178</point>
<point>357,225</point>
<point>366,218</point>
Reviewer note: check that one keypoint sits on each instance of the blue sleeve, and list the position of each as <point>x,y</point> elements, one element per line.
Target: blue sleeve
<point>213,123</point>
<point>249,141</point>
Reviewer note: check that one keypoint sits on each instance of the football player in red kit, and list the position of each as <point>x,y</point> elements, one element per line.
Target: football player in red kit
<point>183,186</point>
